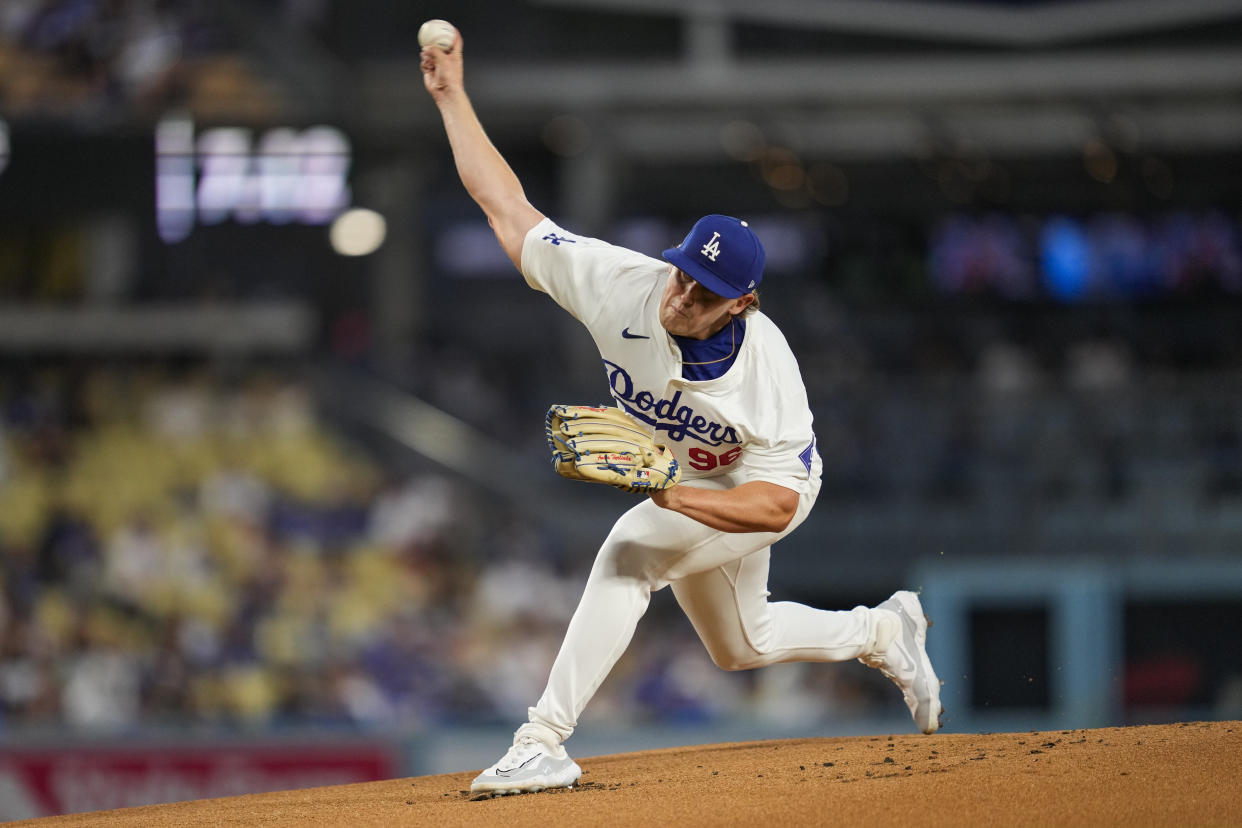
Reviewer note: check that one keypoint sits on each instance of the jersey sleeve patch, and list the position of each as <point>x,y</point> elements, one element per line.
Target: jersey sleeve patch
<point>557,239</point>
<point>806,455</point>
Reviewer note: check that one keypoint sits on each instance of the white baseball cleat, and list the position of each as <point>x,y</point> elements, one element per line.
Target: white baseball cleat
<point>906,662</point>
<point>530,766</point>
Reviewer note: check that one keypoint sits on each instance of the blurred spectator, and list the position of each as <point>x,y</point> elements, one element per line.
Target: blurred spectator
<point>101,688</point>
<point>1098,365</point>
<point>235,493</point>
<point>412,513</point>
<point>100,59</point>
<point>28,680</point>
<point>1006,368</point>
<point>69,552</point>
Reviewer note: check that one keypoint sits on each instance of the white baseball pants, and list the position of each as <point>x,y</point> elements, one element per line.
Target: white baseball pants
<point>720,581</point>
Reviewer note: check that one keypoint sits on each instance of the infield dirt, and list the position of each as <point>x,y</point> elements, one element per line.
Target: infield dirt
<point>1187,774</point>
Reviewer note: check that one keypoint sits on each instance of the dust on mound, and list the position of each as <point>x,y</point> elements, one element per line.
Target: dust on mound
<point>1175,775</point>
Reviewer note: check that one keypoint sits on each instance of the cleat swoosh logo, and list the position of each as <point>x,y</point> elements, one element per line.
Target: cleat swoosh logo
<point>507,771</point>
<point>625,334</point>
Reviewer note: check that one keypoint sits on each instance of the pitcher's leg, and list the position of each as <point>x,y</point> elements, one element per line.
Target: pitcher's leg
<point>741,629</point>
<point>600,630</point>
<point>626,571</point>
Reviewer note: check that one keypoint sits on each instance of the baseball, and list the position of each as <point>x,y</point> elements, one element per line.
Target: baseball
<point>437,33</point>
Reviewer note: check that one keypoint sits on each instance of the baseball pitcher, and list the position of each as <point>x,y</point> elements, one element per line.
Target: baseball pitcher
<point>710,423</point>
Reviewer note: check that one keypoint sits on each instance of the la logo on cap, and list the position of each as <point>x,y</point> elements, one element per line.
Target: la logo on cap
<point>721,253</point>
<point>712,249</point>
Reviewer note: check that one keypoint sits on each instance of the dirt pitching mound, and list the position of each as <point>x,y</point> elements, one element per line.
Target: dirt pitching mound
<point>1175,775</point>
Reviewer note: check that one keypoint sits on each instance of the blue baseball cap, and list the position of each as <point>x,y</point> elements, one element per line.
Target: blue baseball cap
<point>722,254</point>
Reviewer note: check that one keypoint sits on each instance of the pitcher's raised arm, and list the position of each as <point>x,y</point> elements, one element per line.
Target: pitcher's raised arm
<point>486,175</point>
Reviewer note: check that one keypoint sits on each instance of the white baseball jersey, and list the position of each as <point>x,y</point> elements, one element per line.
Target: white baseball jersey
<point>751,423</point>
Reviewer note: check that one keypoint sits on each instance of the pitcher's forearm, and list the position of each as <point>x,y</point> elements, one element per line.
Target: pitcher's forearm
<point>751,507</point>
<point>486,175</point>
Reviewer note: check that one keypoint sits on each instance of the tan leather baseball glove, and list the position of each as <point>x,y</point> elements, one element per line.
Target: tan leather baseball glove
<point>602,444</point>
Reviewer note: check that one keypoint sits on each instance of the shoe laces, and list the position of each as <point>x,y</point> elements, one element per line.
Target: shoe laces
<point>525,743</point>
<point>523,749</point>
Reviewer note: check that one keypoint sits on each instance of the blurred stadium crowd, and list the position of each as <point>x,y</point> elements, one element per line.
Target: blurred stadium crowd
<point>187,545</point>
<point>183,549</point>
<point>112,59</point>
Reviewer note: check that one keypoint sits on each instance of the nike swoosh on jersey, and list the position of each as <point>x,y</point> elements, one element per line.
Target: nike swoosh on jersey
<point>625,334</point>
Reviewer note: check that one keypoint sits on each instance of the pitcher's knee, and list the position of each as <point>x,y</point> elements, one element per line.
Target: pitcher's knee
<point>745,647</point>
<point>733,660</point>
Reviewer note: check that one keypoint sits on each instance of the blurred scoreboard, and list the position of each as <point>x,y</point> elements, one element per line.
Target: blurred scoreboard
<point>174,211</point>
<point>184,175</point>
<point>278,176</point>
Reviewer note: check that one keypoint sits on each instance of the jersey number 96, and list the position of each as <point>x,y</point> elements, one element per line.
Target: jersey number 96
<point>704,460</point>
